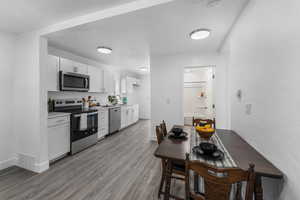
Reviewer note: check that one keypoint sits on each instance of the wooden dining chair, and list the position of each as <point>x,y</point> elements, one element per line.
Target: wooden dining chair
<point>163,127</point>
<point>178,169</point>
<point>218,181</point>
<point>200,121</point>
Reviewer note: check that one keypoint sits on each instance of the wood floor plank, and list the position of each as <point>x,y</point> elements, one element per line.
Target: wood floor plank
<point>120,167</point>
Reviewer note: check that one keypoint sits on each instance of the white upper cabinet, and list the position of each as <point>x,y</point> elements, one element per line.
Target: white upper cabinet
<point>52,73</point>
<point>96,79</point>
<point>72,66</point>
<point>109,82</point>
<point>128,83</point>
<point>117,87</point>
<point>123,86</point>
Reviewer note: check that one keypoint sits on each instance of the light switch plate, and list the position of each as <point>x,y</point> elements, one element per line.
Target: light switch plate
<point>248,109</point>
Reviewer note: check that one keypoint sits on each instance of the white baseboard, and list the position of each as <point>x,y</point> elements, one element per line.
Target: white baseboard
<point>29,162</point>
<point>8,163</point>
<point>41,167</point>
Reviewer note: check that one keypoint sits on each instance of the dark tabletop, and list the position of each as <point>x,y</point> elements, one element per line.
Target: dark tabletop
<point>239,149</point>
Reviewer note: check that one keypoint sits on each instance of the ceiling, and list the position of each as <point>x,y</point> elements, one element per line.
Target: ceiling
<point>161,30</point>
<point>19,16</point>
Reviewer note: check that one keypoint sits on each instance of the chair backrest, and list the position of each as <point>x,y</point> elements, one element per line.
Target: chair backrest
<point>163,127</point>
<point>197,121</point>
<point>159,135</point>
<point>218,181</point>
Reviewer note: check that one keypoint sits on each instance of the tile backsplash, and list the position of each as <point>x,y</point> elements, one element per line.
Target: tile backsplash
<point>100,97</point>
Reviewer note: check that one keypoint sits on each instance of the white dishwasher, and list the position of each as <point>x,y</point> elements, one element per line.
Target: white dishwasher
<point>58,136</point>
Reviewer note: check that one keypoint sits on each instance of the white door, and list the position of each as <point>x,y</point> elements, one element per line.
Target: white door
<point>198,93</point>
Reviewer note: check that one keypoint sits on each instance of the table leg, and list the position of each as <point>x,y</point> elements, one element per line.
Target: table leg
<point>168,180</point>
<point>258,190</point>
<point>238,195</point>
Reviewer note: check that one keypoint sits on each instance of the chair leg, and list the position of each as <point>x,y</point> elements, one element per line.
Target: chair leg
<point>258,191</point>
<point>162,180</point>
<point>168,180</point>
<point>238,194</point>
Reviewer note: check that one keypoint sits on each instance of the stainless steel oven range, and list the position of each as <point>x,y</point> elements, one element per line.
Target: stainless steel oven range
<point>84,123</point>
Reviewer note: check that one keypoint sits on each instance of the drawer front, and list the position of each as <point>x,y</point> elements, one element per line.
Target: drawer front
<point>58,120</point>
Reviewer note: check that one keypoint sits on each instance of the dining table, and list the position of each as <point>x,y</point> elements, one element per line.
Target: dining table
<point>238,153</point>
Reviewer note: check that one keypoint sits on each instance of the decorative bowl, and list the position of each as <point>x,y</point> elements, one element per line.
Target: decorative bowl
<point>177,131</point>
<point>208,148</point>
<point>205,133</point>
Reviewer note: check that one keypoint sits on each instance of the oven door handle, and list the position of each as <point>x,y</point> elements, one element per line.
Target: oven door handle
<point>93,113</point>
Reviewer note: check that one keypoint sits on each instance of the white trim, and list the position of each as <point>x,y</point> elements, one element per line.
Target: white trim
<point>29,162</point>
<point>41,167</point>
<point>107,13</point>
<point>8,163</point>
<point>26,162</point>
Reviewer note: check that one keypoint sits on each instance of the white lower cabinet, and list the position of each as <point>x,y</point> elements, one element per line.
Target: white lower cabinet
<point>123,117</point>
<point>58,137</point>
<point>136,113</point>
<point>102,123</point>
<point>129,115</point>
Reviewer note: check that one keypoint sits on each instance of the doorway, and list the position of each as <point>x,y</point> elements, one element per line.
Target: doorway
<point>198,98</point>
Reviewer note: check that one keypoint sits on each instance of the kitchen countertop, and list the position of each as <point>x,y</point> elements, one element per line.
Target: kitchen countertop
<point>107,107</point>
<point>57,114</point>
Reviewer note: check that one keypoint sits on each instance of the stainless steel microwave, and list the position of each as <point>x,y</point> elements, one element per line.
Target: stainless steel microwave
<point>69,81</point>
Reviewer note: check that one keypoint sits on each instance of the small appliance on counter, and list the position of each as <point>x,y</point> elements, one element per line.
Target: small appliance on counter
<point>124,100</point>
<point>84,123</point>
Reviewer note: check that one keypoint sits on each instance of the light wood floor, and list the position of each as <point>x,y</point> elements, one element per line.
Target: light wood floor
<point>120,167</point>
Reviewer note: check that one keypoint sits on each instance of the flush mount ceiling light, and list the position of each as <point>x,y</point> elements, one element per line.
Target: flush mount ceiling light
<point>199,34</point>
<point>104,50</point>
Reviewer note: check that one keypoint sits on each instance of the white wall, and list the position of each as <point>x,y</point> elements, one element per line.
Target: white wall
<point>167,87</point>
<point>27,103</point>
<point>7,138</point>
<point>264,62</point>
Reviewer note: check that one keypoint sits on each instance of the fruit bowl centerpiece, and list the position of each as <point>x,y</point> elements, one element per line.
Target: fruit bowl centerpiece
<point>205,132</point>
